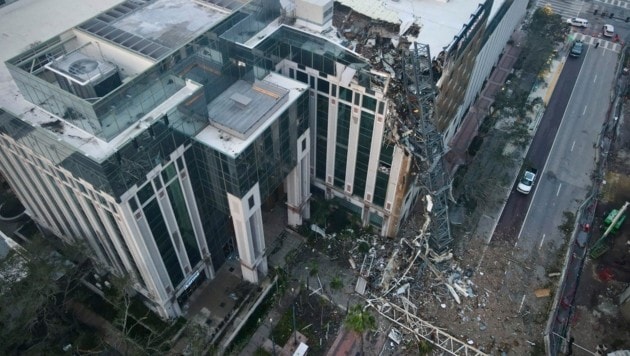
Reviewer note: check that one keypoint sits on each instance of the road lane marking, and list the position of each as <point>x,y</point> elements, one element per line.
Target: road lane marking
<point>553,145</point>
<point>522,302</point>
<point>572,146</point>
<point>541,242</point>
<point>584,112</point>
<point>558,192</point>
<point>595,79</point>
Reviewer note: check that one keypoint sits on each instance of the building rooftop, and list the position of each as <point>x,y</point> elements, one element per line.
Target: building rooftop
<point>243,107</point>
<point>134,34</point>
<point>245,110</point>
<point>45,17</point>
<point>439,20</point>
<point>156,27</point>
<point>96,38</point>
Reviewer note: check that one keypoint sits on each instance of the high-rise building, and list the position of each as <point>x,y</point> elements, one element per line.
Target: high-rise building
<point>154,131</point>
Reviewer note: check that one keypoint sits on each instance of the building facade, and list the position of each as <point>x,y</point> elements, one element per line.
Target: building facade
<point>156,146</point>
<point>504,19</point>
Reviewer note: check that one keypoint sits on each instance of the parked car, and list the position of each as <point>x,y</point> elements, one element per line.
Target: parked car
<point>608,30</point>
<point>527,181</point>
<point>576,49</point>
<point>577,22</point>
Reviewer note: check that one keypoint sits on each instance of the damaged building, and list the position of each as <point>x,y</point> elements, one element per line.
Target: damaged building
<point>163,142</point>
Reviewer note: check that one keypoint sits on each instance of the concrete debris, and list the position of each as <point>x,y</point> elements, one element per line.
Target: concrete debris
<point>402,289</point>
<point>453,293</point>
<point>318,230</point>
<point>624,296</point>
<point>395,335</point>
<point>440,258</point>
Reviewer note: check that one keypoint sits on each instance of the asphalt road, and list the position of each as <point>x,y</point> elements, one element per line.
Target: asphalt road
<point>566,181</point>
<point>516,207</point>
<point>564,151</point>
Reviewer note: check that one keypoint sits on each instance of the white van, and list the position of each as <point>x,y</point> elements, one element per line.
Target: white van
<point>608,30</point>
<point>577,22</point>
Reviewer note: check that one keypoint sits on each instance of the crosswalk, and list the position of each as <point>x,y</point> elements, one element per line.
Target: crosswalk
<point>590,40</point>
<point>564,8</point>
<point>619,3</point>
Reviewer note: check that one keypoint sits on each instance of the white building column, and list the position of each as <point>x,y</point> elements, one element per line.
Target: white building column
<point>299,184</point>
<point>250,238</point>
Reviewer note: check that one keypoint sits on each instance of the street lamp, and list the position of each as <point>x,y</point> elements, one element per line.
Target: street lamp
<point>273,344</point>
<point>294,328</point>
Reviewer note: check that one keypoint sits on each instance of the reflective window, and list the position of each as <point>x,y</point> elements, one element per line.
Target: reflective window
<point>382,175</point>
<point>302,77</point>
<point>369,103</point>
<point>145,193</point>
<point>363,153</point>
<point>178,203</point>
<point>169,173</point>
<point>343,130</point>
<point>321,138</point>
<point>323,86</point>
<point>163,241</point>
<point>345,94</point>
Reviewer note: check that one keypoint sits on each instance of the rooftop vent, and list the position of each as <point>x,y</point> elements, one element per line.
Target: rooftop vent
<point>83,66</point>
<point>241,99</point>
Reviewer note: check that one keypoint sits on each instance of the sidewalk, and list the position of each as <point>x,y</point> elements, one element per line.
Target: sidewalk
<point>481,107</point>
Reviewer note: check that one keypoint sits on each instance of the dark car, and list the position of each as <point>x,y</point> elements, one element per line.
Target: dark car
<point>576,49</point>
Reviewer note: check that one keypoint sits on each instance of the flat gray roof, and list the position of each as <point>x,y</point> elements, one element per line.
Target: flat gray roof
<point>154,27</point>
<point>243,107</point>
<point>218,134</point>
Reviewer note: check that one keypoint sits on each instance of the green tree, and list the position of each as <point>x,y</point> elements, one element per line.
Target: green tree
<point>360,320</point>
<point>544,31</point>
<point>35,291</point>
<point>336,283</point>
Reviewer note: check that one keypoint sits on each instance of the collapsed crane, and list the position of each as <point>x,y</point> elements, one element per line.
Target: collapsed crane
<point>426,143</point>
<point>396,302</point>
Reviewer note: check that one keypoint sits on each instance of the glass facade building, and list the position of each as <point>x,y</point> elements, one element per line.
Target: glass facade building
<point>164,148</point>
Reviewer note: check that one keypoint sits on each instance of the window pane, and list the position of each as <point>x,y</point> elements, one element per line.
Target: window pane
<point>369,103</point>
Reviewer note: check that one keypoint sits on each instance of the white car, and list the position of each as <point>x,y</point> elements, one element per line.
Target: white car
<point>608,30</point>
<point>527,181</point>
<point>577,22</point>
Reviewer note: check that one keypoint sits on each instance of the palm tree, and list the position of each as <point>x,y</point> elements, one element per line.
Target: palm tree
<point>360,320</point>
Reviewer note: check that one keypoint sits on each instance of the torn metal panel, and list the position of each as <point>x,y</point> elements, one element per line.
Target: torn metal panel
<point>361,285</point>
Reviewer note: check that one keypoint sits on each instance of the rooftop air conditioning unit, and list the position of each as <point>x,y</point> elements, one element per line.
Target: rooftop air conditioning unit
<point>86,77</point>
